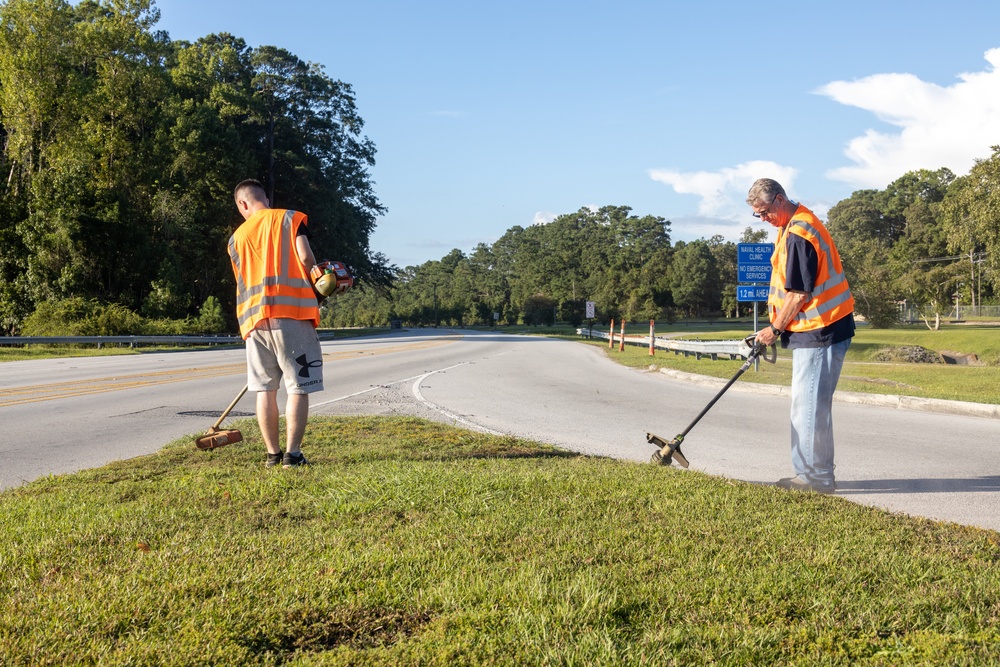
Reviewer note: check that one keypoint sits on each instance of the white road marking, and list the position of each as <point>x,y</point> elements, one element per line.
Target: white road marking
<point>416,393</point>
<point>449,415</point>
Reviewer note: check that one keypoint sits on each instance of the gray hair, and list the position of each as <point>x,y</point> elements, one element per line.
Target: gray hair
<point>763,192</point>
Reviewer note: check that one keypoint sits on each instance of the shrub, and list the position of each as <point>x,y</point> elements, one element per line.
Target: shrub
<point>77,316</point>
<point>539,309</point>
<point>210,319</point>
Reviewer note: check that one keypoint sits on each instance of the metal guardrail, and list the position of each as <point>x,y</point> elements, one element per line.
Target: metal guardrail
<point>131,341</point>
<point>713,349</point>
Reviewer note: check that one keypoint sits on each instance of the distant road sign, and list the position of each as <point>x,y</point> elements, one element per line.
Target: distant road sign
<point>753,263</point>
<point>590,310</point>
<point>751,273</point>
<point>752,292</point>
<point>754,253</point>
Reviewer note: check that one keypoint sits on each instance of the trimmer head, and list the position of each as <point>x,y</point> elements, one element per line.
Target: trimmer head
<point>218,438</point>
<point>669,451</point>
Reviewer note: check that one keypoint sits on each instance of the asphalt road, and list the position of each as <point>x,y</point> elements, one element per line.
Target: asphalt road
<point>64,415</point>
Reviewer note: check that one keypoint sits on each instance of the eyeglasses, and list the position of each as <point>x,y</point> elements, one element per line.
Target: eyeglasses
<point>766,213</point>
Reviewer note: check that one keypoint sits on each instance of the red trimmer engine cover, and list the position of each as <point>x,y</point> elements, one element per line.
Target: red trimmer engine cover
<point>332,278</point>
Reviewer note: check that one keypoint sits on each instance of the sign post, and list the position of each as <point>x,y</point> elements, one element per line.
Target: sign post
<point>590,319</point>
<point>753,265</point>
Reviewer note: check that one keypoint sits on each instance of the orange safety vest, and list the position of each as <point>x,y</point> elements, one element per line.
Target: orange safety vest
<point>270,280</point>
<point>831,296</point>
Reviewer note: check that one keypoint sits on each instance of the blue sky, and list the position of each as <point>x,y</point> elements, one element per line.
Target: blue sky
<point>492,114</point>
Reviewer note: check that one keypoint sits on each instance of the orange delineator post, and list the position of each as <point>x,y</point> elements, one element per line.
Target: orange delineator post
<point>651,338</point>
<point>621,348</point>
<point>611,338</point>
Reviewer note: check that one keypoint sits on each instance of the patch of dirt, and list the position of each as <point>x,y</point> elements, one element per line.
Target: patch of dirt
<point>910,354</point>
<point>356,627</point>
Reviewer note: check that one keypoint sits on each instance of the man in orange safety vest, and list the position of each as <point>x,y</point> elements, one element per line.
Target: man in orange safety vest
<point>278,313</point>
<point>812,314</point>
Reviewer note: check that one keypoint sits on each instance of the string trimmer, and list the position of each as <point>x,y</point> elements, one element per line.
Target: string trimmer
<point>671,450</point>
<point>216,438</point>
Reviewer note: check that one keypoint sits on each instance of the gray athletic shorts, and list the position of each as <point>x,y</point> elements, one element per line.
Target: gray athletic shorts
<point>289,349</point>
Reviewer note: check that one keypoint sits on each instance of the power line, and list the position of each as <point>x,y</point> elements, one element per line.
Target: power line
<point>979,256</point>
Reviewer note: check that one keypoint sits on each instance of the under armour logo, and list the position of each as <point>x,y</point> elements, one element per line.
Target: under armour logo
<point>306,365</point>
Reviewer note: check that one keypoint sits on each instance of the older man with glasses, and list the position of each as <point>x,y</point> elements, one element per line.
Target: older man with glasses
<point>812,313</point>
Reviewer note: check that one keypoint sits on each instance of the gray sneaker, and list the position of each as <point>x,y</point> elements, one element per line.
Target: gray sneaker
<point>799,484</point>
<point>293,460</point>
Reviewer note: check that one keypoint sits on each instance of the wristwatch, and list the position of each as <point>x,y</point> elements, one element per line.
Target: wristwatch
<point>775,330</point>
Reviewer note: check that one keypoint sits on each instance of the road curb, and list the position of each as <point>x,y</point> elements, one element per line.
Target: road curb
<point>944,406</point>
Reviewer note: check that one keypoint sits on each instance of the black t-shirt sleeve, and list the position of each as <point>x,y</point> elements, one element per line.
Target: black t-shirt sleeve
<point>802,265</point>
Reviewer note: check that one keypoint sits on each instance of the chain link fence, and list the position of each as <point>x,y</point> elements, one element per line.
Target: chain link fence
<point>908,313</point>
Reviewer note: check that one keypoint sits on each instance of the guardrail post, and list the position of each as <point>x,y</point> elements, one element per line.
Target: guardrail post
<point>651,339</point>
<point>611,338</point>
<point>621,348</point>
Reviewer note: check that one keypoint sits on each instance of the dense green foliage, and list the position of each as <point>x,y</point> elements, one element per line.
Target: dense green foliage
<point>121,149</point>
<point>624,263</point>
<point>899,244</point>
<point>413,543</point>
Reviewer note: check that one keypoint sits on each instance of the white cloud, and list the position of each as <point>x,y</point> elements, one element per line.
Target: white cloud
<point>940,126</point>
<point>723,193</point>
<point>543,218</point>
<point>692,227</point>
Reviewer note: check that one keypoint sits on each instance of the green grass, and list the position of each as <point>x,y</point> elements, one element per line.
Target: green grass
<point>409,542</point>
<point>8,353</point>
<point>978,384</point>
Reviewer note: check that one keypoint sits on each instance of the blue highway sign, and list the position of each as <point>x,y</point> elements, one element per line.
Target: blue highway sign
<point>753,262</point>
<point>752,292</point>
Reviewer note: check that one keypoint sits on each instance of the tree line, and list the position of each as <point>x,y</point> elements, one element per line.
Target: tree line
<point>120,148</point>
<point>625,263</point>
<point>925,239</point>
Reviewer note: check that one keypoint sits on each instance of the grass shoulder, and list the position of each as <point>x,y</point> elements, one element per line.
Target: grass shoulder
<point>410,542</point>
<point>863,372</point>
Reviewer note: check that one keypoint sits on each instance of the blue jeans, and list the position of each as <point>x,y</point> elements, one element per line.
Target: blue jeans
<point>815,372</point>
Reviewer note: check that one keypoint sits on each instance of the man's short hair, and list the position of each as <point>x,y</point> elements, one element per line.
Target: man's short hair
<point>250,188</point>
<point>763,192</point>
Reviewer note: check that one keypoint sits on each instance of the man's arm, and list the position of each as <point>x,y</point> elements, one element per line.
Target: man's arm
<point>304,252</point>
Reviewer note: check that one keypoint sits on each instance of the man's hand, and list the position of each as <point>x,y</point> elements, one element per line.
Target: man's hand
<point>766,336</point>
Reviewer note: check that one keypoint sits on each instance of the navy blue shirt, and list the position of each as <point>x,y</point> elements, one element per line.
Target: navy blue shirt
<point>800,275</point>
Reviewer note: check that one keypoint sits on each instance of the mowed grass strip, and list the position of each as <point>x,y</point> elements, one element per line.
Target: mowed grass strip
<point>977,384</point>
<point>411,542</point>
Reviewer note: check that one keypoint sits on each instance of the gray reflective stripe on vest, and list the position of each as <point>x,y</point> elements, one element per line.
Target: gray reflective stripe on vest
<point>287,242</point>
<point>294,283</point>
<point>825,307</point>
<point>235,257</point>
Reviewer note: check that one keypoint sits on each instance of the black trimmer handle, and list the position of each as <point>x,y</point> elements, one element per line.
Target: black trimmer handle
<point>759,350</point>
